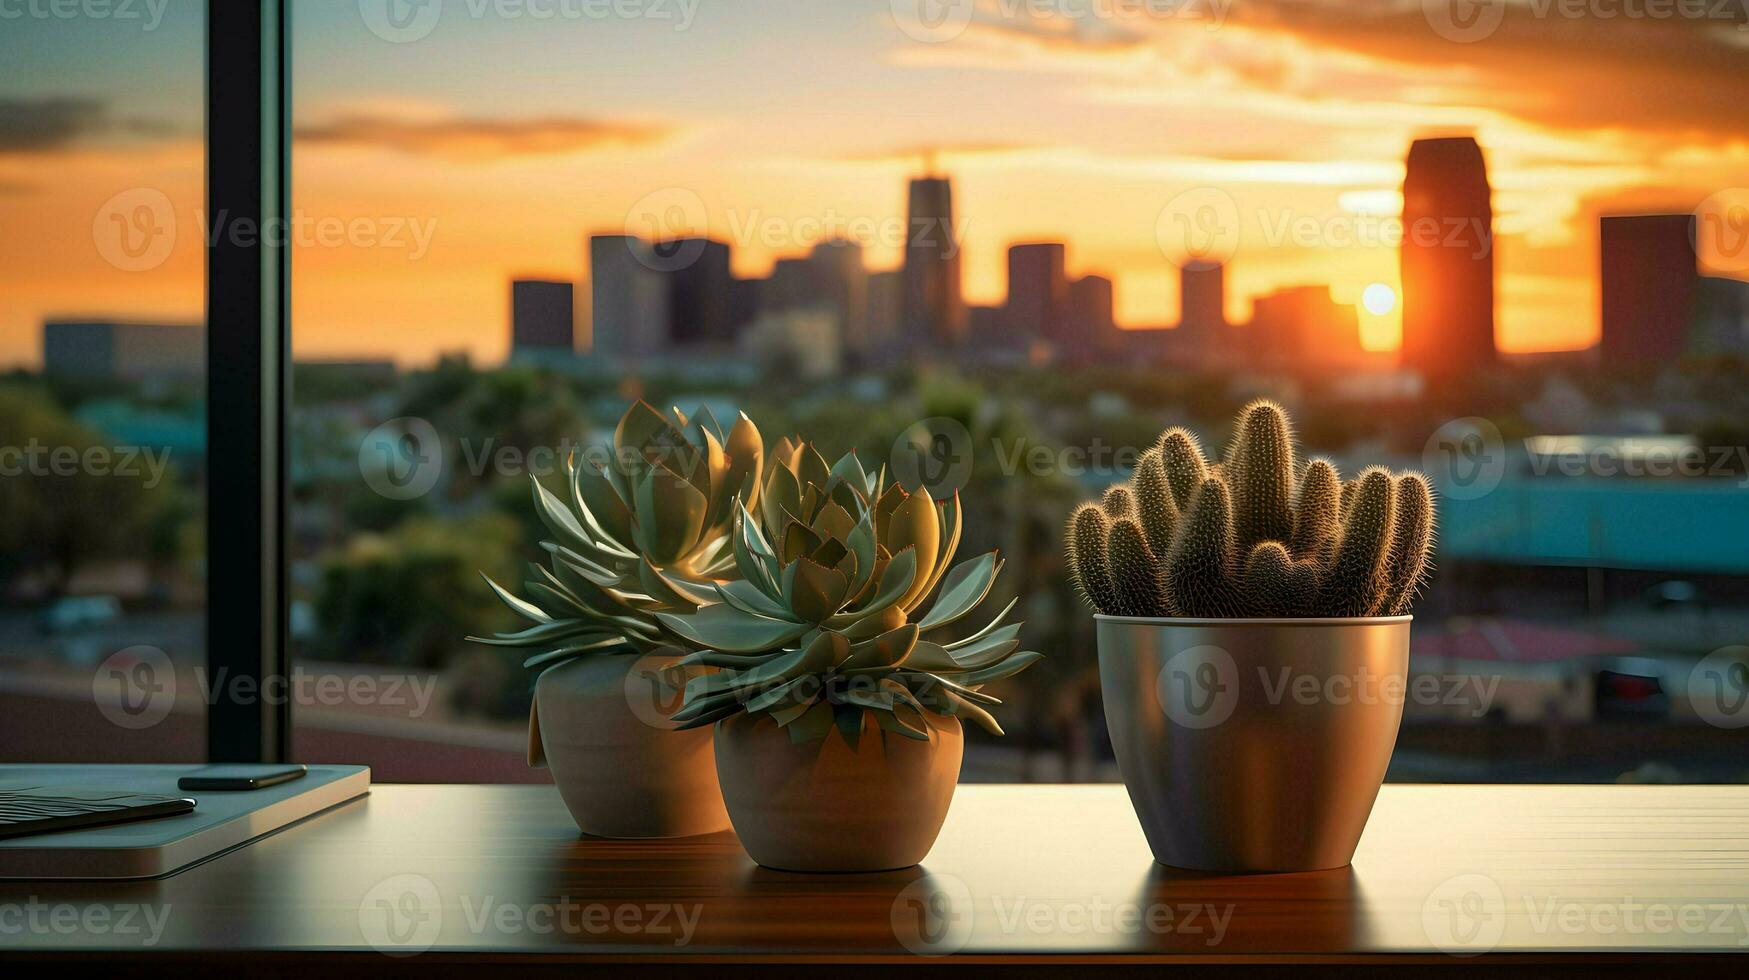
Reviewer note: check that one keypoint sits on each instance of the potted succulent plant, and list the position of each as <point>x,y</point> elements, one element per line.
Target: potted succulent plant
<point>641,533</point>
<point>836,705</point>
<point>1253,637</point>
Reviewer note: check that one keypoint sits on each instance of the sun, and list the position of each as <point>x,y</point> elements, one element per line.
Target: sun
<point>1378,299</point>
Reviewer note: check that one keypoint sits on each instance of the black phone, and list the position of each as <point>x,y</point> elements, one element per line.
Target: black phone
<point>235,776</point>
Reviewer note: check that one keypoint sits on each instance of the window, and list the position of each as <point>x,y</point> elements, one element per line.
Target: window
<point>102,399</point>
<point>1035,237</point>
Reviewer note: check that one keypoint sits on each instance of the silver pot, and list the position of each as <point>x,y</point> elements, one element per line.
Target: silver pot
<point>1252,745</point>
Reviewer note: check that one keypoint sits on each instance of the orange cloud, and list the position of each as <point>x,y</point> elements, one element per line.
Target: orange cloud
<point>480,139</point>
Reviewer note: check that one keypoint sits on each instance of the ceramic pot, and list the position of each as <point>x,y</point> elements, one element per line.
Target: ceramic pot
<point>1253,745</point>
<point>822,805</point>
<point>600,723</point>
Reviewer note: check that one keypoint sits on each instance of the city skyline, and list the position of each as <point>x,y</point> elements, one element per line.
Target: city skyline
<point>1081,133</point>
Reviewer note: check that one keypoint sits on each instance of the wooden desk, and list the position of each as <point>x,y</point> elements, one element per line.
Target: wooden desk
<point>448,878</point>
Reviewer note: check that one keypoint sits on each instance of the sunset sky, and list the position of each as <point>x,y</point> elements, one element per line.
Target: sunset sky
<point>506,139</point>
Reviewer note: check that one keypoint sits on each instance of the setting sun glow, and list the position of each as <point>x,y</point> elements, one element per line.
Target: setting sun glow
<point>1378,299</point>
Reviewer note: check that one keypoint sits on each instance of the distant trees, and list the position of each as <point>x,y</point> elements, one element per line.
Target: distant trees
<point>69,497</point>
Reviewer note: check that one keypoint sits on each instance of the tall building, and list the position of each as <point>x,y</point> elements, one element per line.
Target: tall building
<point>541,316</point>
<point>1038,294</point>
<point>886,309</point>
<point>700,309</point>
<point>1447,259</point>
<point>1202,302</point>
<point>791,286</point>
<point>842,282</point>
<point>1649,279</point>
<point>117,349</point>
<point>1091,317</point>
<point>1721,317</point>
<point>1301,327</point>
<point>935,313</point>
<point>629,298</point>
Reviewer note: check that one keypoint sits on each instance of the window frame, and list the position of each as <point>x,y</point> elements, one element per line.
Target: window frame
<point>248,379</point>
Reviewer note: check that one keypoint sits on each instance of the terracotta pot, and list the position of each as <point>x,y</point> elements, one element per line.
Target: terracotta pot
<point>601,724</point>
<point>1253,745</point>
<point>825,806</point>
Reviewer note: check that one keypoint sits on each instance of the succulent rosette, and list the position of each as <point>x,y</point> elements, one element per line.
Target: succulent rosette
<point>644,531</point>
<point>824,621</point>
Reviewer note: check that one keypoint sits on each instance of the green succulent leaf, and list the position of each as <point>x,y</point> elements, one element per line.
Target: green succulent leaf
<point>521,607</point>
<point>570,650</point>
<point>1006,668</point>
<point>813,592</point>
<point>558,518</point>
<point>601,510</point>
<point>884,652</point>
<point>723,627</point>
<point>993,624</point>
<point>962,590</point>
<point>896,579</point>
<point>895,723</point>
<point>989,650</point>
<point>748,598</point>
<point>670,515</point>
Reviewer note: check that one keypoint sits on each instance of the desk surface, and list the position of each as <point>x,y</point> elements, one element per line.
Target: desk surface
<point>1022,875</point>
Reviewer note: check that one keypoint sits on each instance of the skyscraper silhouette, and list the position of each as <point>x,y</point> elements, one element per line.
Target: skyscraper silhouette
<point>934,311</point>
<point>1202,302</point>
<point>699,305</point>
<point>1091,318</point>
<point>1038,293</point>
<point>1649,279</point>
<point>1447,259</point>
<point>629,298</point>
<point>540,315</point>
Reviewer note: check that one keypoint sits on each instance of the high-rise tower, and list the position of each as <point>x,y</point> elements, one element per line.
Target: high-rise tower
<point>934,312</point>
<point>1447,259</point>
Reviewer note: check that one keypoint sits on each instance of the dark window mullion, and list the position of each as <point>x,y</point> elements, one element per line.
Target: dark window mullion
<point>248,353</point>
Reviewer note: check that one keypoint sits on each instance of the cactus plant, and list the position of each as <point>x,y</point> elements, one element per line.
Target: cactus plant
<point>1255,535</point>
<point>824,623</point>
<point>643,532</point>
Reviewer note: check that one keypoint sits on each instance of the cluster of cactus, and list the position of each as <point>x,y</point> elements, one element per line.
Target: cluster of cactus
<point>1256,534</point>
<point>643,532</point>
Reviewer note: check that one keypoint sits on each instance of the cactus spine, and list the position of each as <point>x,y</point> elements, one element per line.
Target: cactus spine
<point>1156,508</point>
<point>1259,467</point>
<point>1252,535</point>
<point>1135,574</point>
<point>1406,568</point>
<point>1119,502</point>
<point>1200,568</point>
<point>1089,564</point>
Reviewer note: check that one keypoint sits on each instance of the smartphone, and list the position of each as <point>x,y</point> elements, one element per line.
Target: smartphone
<point>240,776</point>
